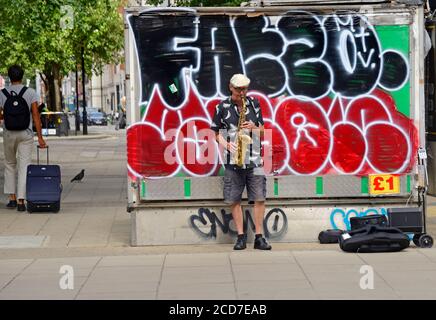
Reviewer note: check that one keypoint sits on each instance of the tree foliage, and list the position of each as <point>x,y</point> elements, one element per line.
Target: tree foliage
<point>49,35</point>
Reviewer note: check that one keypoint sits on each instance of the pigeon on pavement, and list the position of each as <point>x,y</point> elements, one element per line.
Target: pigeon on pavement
<point>79,176</point>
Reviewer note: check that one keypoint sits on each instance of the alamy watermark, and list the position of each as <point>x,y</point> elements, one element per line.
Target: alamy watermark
<point>66,282</point>
<point>367,280</point>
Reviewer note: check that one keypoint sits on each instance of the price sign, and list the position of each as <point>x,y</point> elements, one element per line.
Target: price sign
<point>384,184</point>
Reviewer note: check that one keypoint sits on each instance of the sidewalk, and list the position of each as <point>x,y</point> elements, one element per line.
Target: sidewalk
<point>92,235</point>
<point>328,274</point>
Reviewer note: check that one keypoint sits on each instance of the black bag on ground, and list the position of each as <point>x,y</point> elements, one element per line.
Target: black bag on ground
<point>43,187</point>
<point>374,239</point>
<point>330,236</point>
<point>370,220</point>
<point>16,111</point>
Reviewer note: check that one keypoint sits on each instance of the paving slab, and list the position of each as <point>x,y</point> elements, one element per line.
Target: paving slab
<point>262,257</point>
<point>124,261</point>
<point>326,257</point>
<point>22,241</point>
<point>208,274</point>
<point>272,272</point>
<point>199,259</point>
<point>198,291</point>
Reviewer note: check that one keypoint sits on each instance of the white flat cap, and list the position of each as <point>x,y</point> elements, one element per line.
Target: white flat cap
<point>239,80</point>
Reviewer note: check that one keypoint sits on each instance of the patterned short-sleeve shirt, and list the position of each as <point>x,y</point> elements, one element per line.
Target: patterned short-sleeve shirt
<point>225,121</point>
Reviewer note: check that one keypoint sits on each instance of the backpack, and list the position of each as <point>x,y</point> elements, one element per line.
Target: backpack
<point>330,236</point>
<point>16,111</point>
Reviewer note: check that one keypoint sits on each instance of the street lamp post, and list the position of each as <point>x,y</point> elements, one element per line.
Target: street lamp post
<point>77,102</point>
<point>85,116</point>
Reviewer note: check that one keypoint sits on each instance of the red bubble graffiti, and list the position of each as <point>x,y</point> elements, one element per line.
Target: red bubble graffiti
<point>331,135</point>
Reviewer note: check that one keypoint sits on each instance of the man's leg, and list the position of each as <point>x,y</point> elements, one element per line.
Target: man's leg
<point>233,188</point>
<point>237,217</point>
<point>259,213</point>
<point>10,151</point>
<point>256,187</point>
<point>24,158</point>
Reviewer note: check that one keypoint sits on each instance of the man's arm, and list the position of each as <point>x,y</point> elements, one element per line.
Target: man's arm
<point>223,142</point>
<point>37,122</point>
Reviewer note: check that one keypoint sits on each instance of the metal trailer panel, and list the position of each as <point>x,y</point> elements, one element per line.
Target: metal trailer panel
<point>281,187</point>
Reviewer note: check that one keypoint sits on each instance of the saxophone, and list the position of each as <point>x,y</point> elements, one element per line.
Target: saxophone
<point>242,139</point>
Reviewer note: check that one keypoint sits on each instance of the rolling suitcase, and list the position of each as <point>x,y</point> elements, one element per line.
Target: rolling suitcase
<point>43,187</point>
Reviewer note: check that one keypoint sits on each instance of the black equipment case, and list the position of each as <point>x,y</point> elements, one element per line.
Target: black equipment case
<point>370,220</point>
<point>43,187</point>
<point>411,220</point>
<point>374,239</point>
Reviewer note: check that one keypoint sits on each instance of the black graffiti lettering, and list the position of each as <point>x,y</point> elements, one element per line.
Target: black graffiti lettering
<point>395,70</point>
<point>161,59</point>
<point>261,47</point>
<point>275,233</point>
<point>298,53</point>
<point>219,59</point>
<point>213,220</point>
<point>353,53</point>
<point>206,216</point>
<point>308,74</point>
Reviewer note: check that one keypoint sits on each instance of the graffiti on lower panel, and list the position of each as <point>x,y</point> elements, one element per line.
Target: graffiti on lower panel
<point>327,86</point>
<point>206,223</point>
<point>340,218</point>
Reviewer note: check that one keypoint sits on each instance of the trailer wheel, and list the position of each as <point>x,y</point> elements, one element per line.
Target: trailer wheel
<point>425,241</point>
<point>29,207</point>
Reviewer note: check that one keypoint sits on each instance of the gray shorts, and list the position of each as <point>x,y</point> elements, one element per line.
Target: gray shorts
<point>236,180</point>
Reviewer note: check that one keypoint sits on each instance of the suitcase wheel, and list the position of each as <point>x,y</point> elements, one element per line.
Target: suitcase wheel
<point>56,208</point>
<point>425,241</point>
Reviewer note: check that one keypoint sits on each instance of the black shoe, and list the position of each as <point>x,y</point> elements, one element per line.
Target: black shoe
<point>12,204</point>
<point>261,244</point>
<point>21,207</point>
<point>241,243</point>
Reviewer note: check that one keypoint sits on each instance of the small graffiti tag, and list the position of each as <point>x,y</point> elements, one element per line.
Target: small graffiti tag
<point>275,223</point>
<point>343,218</point>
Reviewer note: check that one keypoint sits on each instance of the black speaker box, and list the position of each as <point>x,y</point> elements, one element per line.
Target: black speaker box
<point>407,219</point>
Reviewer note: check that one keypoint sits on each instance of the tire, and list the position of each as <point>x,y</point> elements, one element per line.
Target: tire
<point>416,239</point>
<point>29,207</point>
<point>56,207</point>
<point>425,241</point>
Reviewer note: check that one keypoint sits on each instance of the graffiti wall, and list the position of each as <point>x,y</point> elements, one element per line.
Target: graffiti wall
<point>334,92</point>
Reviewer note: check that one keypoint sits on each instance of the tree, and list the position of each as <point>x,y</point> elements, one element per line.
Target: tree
<point>37,35</point>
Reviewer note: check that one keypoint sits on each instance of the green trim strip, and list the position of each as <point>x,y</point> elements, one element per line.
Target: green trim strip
<point>408,184</point>
<point>276,186</point>
<point>319,186</point>
<point>187,184</point>
<point>143,189</point>
<point>364,185</point>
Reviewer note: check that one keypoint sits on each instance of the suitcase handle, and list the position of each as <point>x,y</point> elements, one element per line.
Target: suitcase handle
<point>37,153</point>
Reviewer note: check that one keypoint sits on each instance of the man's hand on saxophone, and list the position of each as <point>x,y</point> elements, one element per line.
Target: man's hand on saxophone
<point>249,125</point>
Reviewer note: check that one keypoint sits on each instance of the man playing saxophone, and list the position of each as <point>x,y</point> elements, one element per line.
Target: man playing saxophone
<point>239,127</point>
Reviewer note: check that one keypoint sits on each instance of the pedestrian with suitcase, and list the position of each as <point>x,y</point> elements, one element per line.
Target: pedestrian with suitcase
<point>18,108</point>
